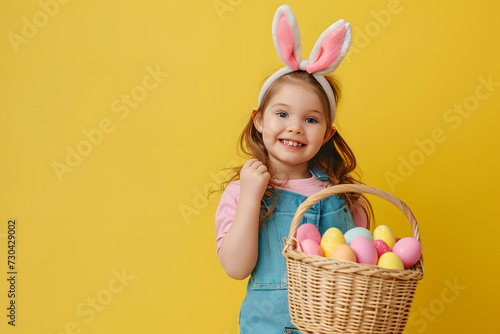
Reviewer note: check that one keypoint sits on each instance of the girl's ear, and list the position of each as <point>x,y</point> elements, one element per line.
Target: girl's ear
<point>257,119</point>
<point>329,134</point>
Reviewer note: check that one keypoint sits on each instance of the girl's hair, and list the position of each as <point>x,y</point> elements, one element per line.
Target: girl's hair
<point>334,158</point>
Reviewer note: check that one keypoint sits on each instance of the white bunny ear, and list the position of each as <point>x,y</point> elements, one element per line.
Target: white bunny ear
<point>330,48</point>
<point>286,37</point>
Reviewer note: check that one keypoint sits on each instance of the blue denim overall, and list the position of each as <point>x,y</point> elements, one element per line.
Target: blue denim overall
<point>265,308</point>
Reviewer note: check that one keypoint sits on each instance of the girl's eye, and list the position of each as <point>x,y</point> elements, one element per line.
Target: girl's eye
<point>311,120</point>
<point>282,114</point>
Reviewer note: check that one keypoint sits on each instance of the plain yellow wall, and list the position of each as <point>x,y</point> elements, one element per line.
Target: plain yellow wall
<point>116,117</point>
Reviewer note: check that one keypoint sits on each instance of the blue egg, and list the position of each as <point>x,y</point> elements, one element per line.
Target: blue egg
<point>357,232</point>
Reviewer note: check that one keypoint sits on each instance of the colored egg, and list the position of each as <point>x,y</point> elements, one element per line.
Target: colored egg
<point>357,232</point>
<point>381,247</point>
<point>390,260</point>
<point>344,253</point>
<point>308,231</point>
<point>331,239</point>
<point>310,246</point>
<point>365,250</point>
<point>408,250</point>
<point>383,232</point>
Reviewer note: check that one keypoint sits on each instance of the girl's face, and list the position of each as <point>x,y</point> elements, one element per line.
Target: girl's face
<point>293,128</point>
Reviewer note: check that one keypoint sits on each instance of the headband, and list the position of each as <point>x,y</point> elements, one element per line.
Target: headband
<point>326,55</point>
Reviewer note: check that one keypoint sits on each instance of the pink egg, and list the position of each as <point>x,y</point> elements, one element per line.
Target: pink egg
<point>381,246</point>
<point>311,247</point>
<point>365,250</point>
<point>308,231</point>
<point>408,250</point>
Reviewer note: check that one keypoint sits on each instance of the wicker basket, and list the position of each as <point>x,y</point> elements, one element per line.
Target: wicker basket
<point>331,296</point>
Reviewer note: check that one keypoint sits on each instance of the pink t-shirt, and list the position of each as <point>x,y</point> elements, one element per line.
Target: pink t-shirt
<point>227,205</point>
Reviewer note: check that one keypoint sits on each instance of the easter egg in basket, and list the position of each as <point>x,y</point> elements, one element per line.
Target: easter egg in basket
<point>383,232</point>
<point>389,260</point>
<point>408,250</point>
<point>365,250</point>
<point>381,247</point>
<point>357,232</point>
<point>310,246</point>
<point>331,239</point>
<point>308,231</point>
<point>344,253</point>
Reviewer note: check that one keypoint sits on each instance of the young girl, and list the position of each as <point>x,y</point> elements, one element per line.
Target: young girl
<point>295,152</point>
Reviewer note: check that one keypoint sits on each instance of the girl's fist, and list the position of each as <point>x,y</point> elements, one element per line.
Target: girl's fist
<point>254,178</point>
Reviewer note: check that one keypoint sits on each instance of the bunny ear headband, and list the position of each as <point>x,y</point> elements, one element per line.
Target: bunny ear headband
<point>326,55</point>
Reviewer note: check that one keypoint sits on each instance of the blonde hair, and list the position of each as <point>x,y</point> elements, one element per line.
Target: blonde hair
<point>334,158</point>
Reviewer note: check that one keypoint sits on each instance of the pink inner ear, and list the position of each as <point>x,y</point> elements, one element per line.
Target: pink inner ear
<point>330,50</point>
<point>285,42</point>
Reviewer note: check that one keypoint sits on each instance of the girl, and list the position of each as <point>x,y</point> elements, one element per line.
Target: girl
<point>295,153</point>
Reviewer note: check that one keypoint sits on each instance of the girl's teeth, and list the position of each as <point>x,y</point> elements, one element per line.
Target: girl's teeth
<point>291,143</point>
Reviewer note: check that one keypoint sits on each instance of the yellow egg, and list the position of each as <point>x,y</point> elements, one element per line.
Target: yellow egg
<point>344,252</point>
<point>384,233</point>
<point>331,239</point>
<point>389,260</point>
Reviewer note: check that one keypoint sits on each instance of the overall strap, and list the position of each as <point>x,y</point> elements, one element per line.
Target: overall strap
<point>318,174</point>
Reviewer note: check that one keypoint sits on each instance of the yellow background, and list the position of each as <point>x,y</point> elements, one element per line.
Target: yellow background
<point>135,204</point>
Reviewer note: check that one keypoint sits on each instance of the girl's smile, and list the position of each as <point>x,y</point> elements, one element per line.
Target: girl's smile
<point>294,145</point>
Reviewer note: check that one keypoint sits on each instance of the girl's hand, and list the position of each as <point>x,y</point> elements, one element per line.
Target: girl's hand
<point>254,178</point>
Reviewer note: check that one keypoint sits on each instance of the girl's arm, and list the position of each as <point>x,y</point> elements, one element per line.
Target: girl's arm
<point>239,249</point>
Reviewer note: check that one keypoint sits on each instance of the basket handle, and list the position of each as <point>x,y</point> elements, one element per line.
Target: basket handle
<point>343,188</point>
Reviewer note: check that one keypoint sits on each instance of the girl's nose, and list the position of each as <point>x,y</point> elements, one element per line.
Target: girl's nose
<point>294,128</point>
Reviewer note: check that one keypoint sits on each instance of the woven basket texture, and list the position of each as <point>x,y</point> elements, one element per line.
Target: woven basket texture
<point>331,296</point>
